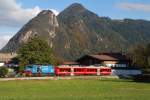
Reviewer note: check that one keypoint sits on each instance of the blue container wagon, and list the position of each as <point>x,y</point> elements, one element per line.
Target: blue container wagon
<point>43,69</point>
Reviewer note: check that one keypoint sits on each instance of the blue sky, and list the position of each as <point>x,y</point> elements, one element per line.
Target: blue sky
<point>15,13</point>
<point>101,7</point>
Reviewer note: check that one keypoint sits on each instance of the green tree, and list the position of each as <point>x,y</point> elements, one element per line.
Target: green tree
<point>3,71</point>
<point>36,51</point>
<point>140,55</point>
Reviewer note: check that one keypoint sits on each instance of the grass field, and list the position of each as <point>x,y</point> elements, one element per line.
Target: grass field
<point>76,89</point>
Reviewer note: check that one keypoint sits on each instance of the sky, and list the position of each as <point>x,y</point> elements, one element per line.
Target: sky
<point>15,13</point>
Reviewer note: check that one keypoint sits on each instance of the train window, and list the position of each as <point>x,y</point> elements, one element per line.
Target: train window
<point>105,70</point>
<point>91,70</point>
<point>109,70</point>
<point>78,70</point>
<point>74,70</point>
<point>65,70</point>
<point>101,70</point>
<point>88,70</point>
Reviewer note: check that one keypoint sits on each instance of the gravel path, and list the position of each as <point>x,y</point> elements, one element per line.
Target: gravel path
<point>57,78</point>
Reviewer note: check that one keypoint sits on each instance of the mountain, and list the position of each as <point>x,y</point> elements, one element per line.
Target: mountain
<point>77,31</point>
<point>43,26</point>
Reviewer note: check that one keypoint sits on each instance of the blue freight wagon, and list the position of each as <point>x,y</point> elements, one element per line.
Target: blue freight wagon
<point>43,69</point>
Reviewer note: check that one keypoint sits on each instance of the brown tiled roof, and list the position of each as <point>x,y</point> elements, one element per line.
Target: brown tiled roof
<point>109,56</point>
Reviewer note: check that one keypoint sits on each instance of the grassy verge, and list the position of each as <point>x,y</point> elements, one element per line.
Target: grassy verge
<point>76,89</point>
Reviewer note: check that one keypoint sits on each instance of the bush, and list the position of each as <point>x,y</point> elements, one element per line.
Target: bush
<point>146,71</point>
<point>3,71</point>
<point>142,78</point>
<point>11,72</point>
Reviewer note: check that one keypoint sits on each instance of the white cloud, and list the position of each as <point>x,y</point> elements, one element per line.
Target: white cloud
<point>13,14</point>
<point>134,6</point>
<point>3,40</point>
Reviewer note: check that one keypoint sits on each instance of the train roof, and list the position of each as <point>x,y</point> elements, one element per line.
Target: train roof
<point>81,67</point>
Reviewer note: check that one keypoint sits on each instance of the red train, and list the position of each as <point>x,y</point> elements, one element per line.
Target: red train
<point>66,70</point>
<point>82,71</point>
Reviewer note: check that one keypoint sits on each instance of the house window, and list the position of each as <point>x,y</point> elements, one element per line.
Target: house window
<point>121,65</point>
<point>110,65</point>
<point>116,65</point>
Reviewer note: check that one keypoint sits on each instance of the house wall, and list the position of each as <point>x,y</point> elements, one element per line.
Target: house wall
<point>116,63</point>
<point>1,64</point>
<point>110,62</point>
<point>6,57</point>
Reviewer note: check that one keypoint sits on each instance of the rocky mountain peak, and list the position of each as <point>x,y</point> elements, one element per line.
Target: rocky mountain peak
<point>75,8</point>
<point>47,16</point>
<point>46,12</point>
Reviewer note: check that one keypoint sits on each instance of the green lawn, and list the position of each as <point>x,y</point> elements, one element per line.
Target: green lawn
<point>76,89</point>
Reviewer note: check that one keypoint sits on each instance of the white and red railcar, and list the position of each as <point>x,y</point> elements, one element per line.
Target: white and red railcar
<point>65,70</point>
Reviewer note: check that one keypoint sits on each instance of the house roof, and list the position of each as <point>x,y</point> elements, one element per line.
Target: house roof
<point>108,56</point>
<point>4,57</point>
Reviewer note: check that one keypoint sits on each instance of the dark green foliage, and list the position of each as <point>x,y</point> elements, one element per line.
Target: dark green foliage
<point>140,55</point>
<point>133,31</point>
<point>36,51</point>
<point>142,78</point>
<point>3,71</point>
